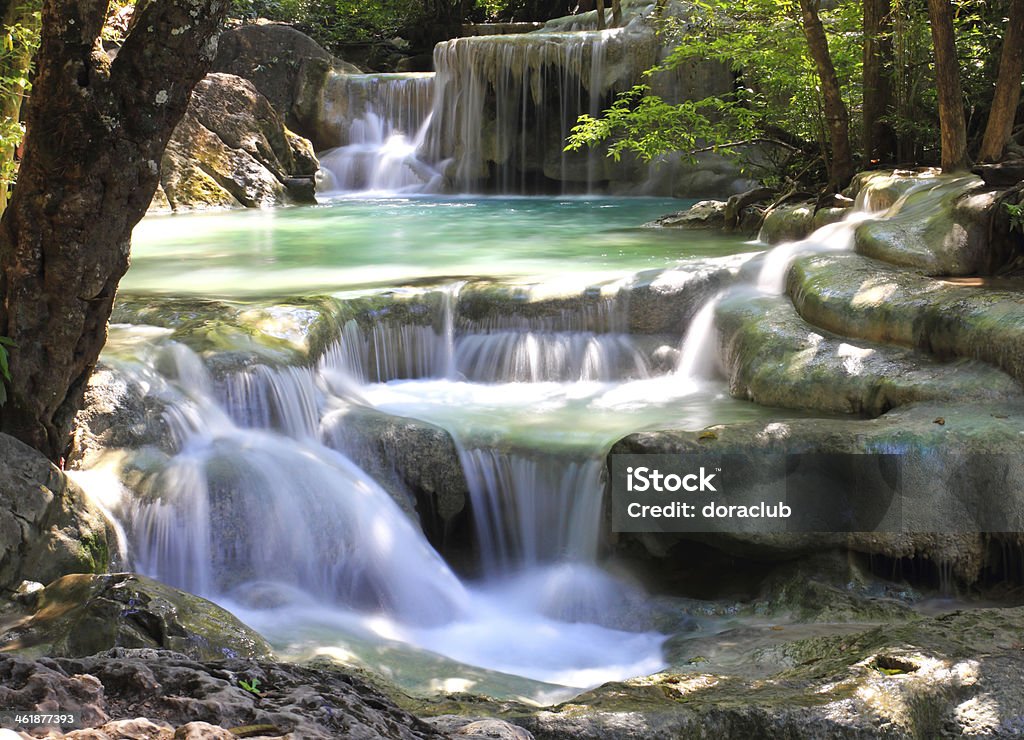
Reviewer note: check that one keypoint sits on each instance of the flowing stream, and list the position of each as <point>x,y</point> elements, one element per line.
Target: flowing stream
<point>266,337</point>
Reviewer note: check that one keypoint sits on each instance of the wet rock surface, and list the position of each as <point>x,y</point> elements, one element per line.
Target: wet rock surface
<point>860,297</point>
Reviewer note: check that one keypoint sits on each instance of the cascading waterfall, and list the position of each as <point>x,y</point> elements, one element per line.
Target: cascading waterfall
<point>380,122</point>
<point>766,275</point>
<point>494,116</point>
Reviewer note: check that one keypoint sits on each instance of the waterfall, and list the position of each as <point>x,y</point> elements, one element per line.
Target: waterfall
<point>495,116</point>
<point>532,509</point>
<point>380,122</point>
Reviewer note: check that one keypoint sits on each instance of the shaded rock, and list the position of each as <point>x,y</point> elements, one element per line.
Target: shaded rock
<point>705,214</point>
<point>959,480</point>
<point>173,690</point>
<point>926,678</point>
<point>1003,174</point>
<point>288,67</point>
<point>80,615</point>
<point>232,149</point>
<point>869,300</point>
<point>47,525</point>
<point>774,358</point>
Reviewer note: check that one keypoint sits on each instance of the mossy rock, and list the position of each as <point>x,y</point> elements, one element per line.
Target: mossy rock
<point>80,615</point>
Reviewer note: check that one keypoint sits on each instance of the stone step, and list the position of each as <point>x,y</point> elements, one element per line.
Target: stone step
<point>773,357</point>
<point>859,297</point>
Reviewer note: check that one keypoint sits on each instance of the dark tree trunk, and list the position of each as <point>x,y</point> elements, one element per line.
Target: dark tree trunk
<point>616,13</point>
<point>879,137</point>
<point>96,133</point>
<point>947,81</point>
<point>600,15</point>
<point>1007,94</point>
<point>836,115</point>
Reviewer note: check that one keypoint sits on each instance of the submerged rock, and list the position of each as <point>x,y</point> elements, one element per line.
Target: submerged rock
<point>80,615</point>
<point>48,527</point>
<point>232,149</point>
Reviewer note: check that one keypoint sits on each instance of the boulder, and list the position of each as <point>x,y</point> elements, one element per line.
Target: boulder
<point>787,223</point>
<point>48,527</point>
<point>80,615</point>
<point>232,149</point>
<point>705,214</point>
<point>288,67</point>
<point>416,462</point>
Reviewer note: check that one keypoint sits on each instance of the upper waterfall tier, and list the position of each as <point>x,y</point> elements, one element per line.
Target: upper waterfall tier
<point>500,110</point>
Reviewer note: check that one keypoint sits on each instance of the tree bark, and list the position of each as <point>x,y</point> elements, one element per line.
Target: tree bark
<point>600,15</point>
<point>96,133</point>
<point>947,81</point>
<point>616,13</point>
<point>836,115</point>
<point>1007,94</point>
<point>879,136</point>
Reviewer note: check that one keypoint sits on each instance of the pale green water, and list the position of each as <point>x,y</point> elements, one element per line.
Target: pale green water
<point>353,244</point>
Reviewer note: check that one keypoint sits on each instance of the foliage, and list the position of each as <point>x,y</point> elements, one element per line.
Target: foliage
<point>1016,214</point>
<point>5,368</point>
<point>777,96</point>
<point>253,687</point>
<point>17,46</point>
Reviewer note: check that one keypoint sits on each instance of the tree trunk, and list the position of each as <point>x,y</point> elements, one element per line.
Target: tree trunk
<point>600,15</point>
<point>1007,94</point>
<point>96,133</point>
<point>617,13</point>
<point>836,115</point>
<point>879,136</point>
<point>947,81</point>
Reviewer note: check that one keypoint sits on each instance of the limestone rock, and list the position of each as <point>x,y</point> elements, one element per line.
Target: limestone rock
<point>948,235</point>
<point>232,149</point>
<point>951,474</point>
<point>869,300</point>
<point>47,525</point>
<point>774,358</point>
<point>81,615</point>
<point>705,214</point>
<point>787,223</point>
